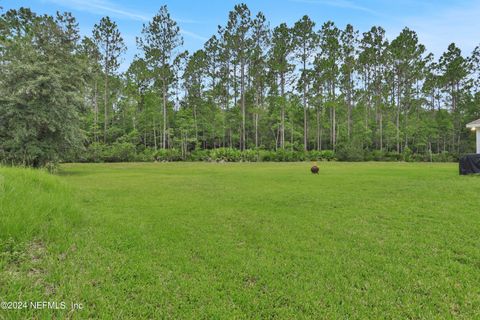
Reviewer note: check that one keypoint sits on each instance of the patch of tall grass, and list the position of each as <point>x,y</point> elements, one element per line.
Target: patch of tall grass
<point>34,205</point>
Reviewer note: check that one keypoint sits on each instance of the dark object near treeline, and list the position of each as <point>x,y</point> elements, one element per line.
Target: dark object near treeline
<point>314,170</point>
<point>469,164</point>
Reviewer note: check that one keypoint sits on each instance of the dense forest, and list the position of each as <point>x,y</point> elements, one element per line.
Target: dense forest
<point>254,92</point>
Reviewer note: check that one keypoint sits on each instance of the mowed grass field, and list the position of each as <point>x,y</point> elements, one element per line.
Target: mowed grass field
<point>243,241</point>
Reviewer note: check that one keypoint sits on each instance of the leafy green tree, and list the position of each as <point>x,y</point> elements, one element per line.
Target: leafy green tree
<point>159,42</point>
<point>372,58</point>
<point>239,41</point>
<point>249,86</point>
<point>137,85</point>
<point>454,69</point>
<point>327,64</point>
<point>109,41</point>
<point>409,60</point>
<point>281,67</point>
<point>91,56</point>
<point>349,43</point>
<point>193,82</point>
<point>40,88</point>
<point>305,42</point>
<point>258,70</point>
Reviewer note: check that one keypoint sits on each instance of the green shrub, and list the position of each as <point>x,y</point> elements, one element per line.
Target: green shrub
<point>120,152</point>
<point>225,154</point>
<point>290,156</point>
<point>407,155</point>
<point>320,155</point>
<point>168,155</point>
<point>123,151</point>
<point>314,155</point>
<point>349,152</point>
<point>444,157</point>
<point>266,155</point>
<point>117,152</point>
<point>376,155</point>
<point>199,155</point>
<point>147,155</point>
<point>393,156</point>
<point>420,157</point>
<point>95,152</point>
<point>250,155</point>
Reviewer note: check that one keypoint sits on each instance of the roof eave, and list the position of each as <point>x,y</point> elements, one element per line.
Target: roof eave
<point>474,124</point>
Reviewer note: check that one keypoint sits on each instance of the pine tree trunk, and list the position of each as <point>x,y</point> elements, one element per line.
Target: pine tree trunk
<point>334,130</point>
<point>242,96</point>
<point>154,133</point>
<point>406,125</point>
<point>291,137</point>
<point>95,111</point>
<point>195,121</point>
<point>164,137</point>
<point>381,130</point>
<point>305,121</point>
<point>255,120</point>
<point>349,108</point>
<point>282,116</point>
<point>319,139</point>
<point>398,116</point>
<point>105,103</point>
<point>334,120</point>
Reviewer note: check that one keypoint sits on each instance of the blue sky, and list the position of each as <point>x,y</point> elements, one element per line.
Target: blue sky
<point>437,23</point>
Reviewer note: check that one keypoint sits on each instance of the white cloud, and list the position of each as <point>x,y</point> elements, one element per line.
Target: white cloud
<point>107,7</point>
<point>100,7</point>
<point>193,35</point>
<point>104,7</point>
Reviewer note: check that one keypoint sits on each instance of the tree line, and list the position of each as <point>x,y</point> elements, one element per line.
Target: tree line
<point>298,88</point>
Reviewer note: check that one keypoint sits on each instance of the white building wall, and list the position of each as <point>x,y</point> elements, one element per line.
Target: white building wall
<point>478,140</point>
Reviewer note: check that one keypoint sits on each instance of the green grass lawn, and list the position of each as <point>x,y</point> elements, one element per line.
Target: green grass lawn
<point>263,240</point>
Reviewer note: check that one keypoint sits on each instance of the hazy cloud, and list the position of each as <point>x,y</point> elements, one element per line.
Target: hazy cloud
<point>106,7</point>
<point>102,7</point>
<point>193,35</point>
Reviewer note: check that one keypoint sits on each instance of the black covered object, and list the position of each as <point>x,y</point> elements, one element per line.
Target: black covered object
<point>469,164</point>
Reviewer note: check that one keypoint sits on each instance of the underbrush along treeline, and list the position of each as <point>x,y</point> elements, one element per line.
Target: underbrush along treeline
<point>127,152</point>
